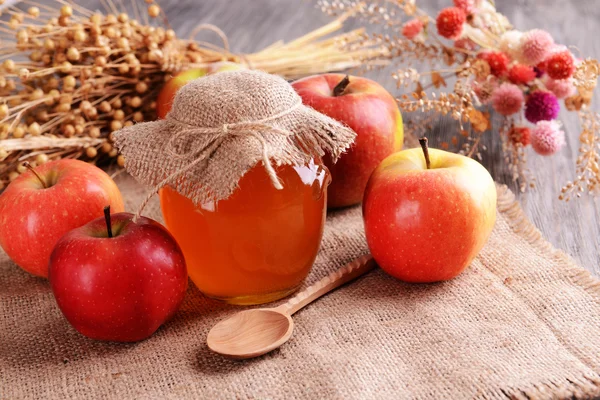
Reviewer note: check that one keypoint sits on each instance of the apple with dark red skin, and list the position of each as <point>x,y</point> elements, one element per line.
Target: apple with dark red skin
<point>119,285</point>
<point>368,109</point>
<point>426,221</point>
<point>40,206</point>
<point>164,101</point>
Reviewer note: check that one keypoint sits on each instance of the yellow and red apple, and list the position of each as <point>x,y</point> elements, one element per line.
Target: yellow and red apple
<point>42,205</point>
<point>166,95</point>
<point>425,222</point>
<point>368,109</point>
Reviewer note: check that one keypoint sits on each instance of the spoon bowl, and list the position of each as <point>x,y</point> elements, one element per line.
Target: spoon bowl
<point>250,333</point>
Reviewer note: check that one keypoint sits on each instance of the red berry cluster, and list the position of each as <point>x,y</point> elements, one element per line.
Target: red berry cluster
<point>520,74</point>
<point>497,60</point>
<point>560,65</point>
<point>450,22</point>
<point>520,134</point>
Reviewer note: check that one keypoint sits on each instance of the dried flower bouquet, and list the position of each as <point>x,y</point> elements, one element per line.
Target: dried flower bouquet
<point>522,76</point>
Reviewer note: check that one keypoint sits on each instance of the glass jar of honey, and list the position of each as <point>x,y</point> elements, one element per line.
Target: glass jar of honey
<point>241,190</point>
<point>257,245</point>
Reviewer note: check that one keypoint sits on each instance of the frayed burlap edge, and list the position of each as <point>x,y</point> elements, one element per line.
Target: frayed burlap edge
<point>580,387</point>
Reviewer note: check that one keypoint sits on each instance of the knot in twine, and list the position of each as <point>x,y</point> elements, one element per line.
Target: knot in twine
<point>200,149</point>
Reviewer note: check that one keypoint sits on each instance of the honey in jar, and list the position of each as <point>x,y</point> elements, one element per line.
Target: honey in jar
<point>259,244</point>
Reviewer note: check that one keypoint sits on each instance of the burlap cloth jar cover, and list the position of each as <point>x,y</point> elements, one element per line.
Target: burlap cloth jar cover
<point>221,126</point>
<point>522,322</point>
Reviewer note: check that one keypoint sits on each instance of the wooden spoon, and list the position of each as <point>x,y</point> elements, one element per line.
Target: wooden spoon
<point>252,333</point>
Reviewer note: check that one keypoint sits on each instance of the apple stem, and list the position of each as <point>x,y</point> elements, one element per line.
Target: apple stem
<point>107,219</point>
<point>338,90</point>
<point>29,167</point>
<point>423,141</point>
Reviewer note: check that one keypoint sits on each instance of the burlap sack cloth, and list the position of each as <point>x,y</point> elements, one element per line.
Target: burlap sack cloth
<point>522,321</point>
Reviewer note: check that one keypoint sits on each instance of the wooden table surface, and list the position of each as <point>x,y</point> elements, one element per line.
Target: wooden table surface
<point>572,227</point>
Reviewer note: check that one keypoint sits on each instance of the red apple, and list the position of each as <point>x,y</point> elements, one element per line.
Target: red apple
<point>35,211</point>
<point>427,223</point>
<point>119,286</point>
<point>167,93</point>
<point>368,109</point>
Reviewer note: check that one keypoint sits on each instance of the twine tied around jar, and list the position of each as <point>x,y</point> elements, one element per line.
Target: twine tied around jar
<point>221,126</point>
<point>199,152</point>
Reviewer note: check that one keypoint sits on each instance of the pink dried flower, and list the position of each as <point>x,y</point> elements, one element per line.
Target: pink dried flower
<point>468,6</point>
<point>541,106</point>
<point>547,137</point>
<point>510,43</point>
<point>412,28</point>
<point>562,88</point>
<point>507,99</point>
<point>535,46</point>
<point>450,22</point>
<point>465,44</point>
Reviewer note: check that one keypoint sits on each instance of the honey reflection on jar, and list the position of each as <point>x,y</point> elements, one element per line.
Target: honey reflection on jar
<point>259,244</point>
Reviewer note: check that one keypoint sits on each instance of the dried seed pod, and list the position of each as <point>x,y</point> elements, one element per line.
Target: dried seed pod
<point>96,19</point>
<point>94,132</point>
<point>68,130</point>
<point>79,36</point>
<point>34,12</point>
<point>18,132</point>
<point>73,54</point>
<point>91,152</point>
<point>13,175</point>
<point>9,65</point>
<point>36,94</point>
<point>135,102</point>
<point>141,87</point>
<point>41,159</point>
<point>66,67</point>
<point>116,102</point>
<point>3,111</point>
<point>106,147</point>
<point>69,81</point>
<point>63,108</point>
<point>34,129</point>
<point>42,116</point>
<point>35,56</point>
<point>119,115</point>
<point>138,116</point>
<point>110,19</point>
<point>153,11</point>
<point>105,107</point>
<point>66,11</point>
<point>115,125</point>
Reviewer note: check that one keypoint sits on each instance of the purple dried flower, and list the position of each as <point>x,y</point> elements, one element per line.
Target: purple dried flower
<point>541,106</point>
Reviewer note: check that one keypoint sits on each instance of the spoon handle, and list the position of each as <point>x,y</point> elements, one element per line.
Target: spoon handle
<point>332,281</point>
